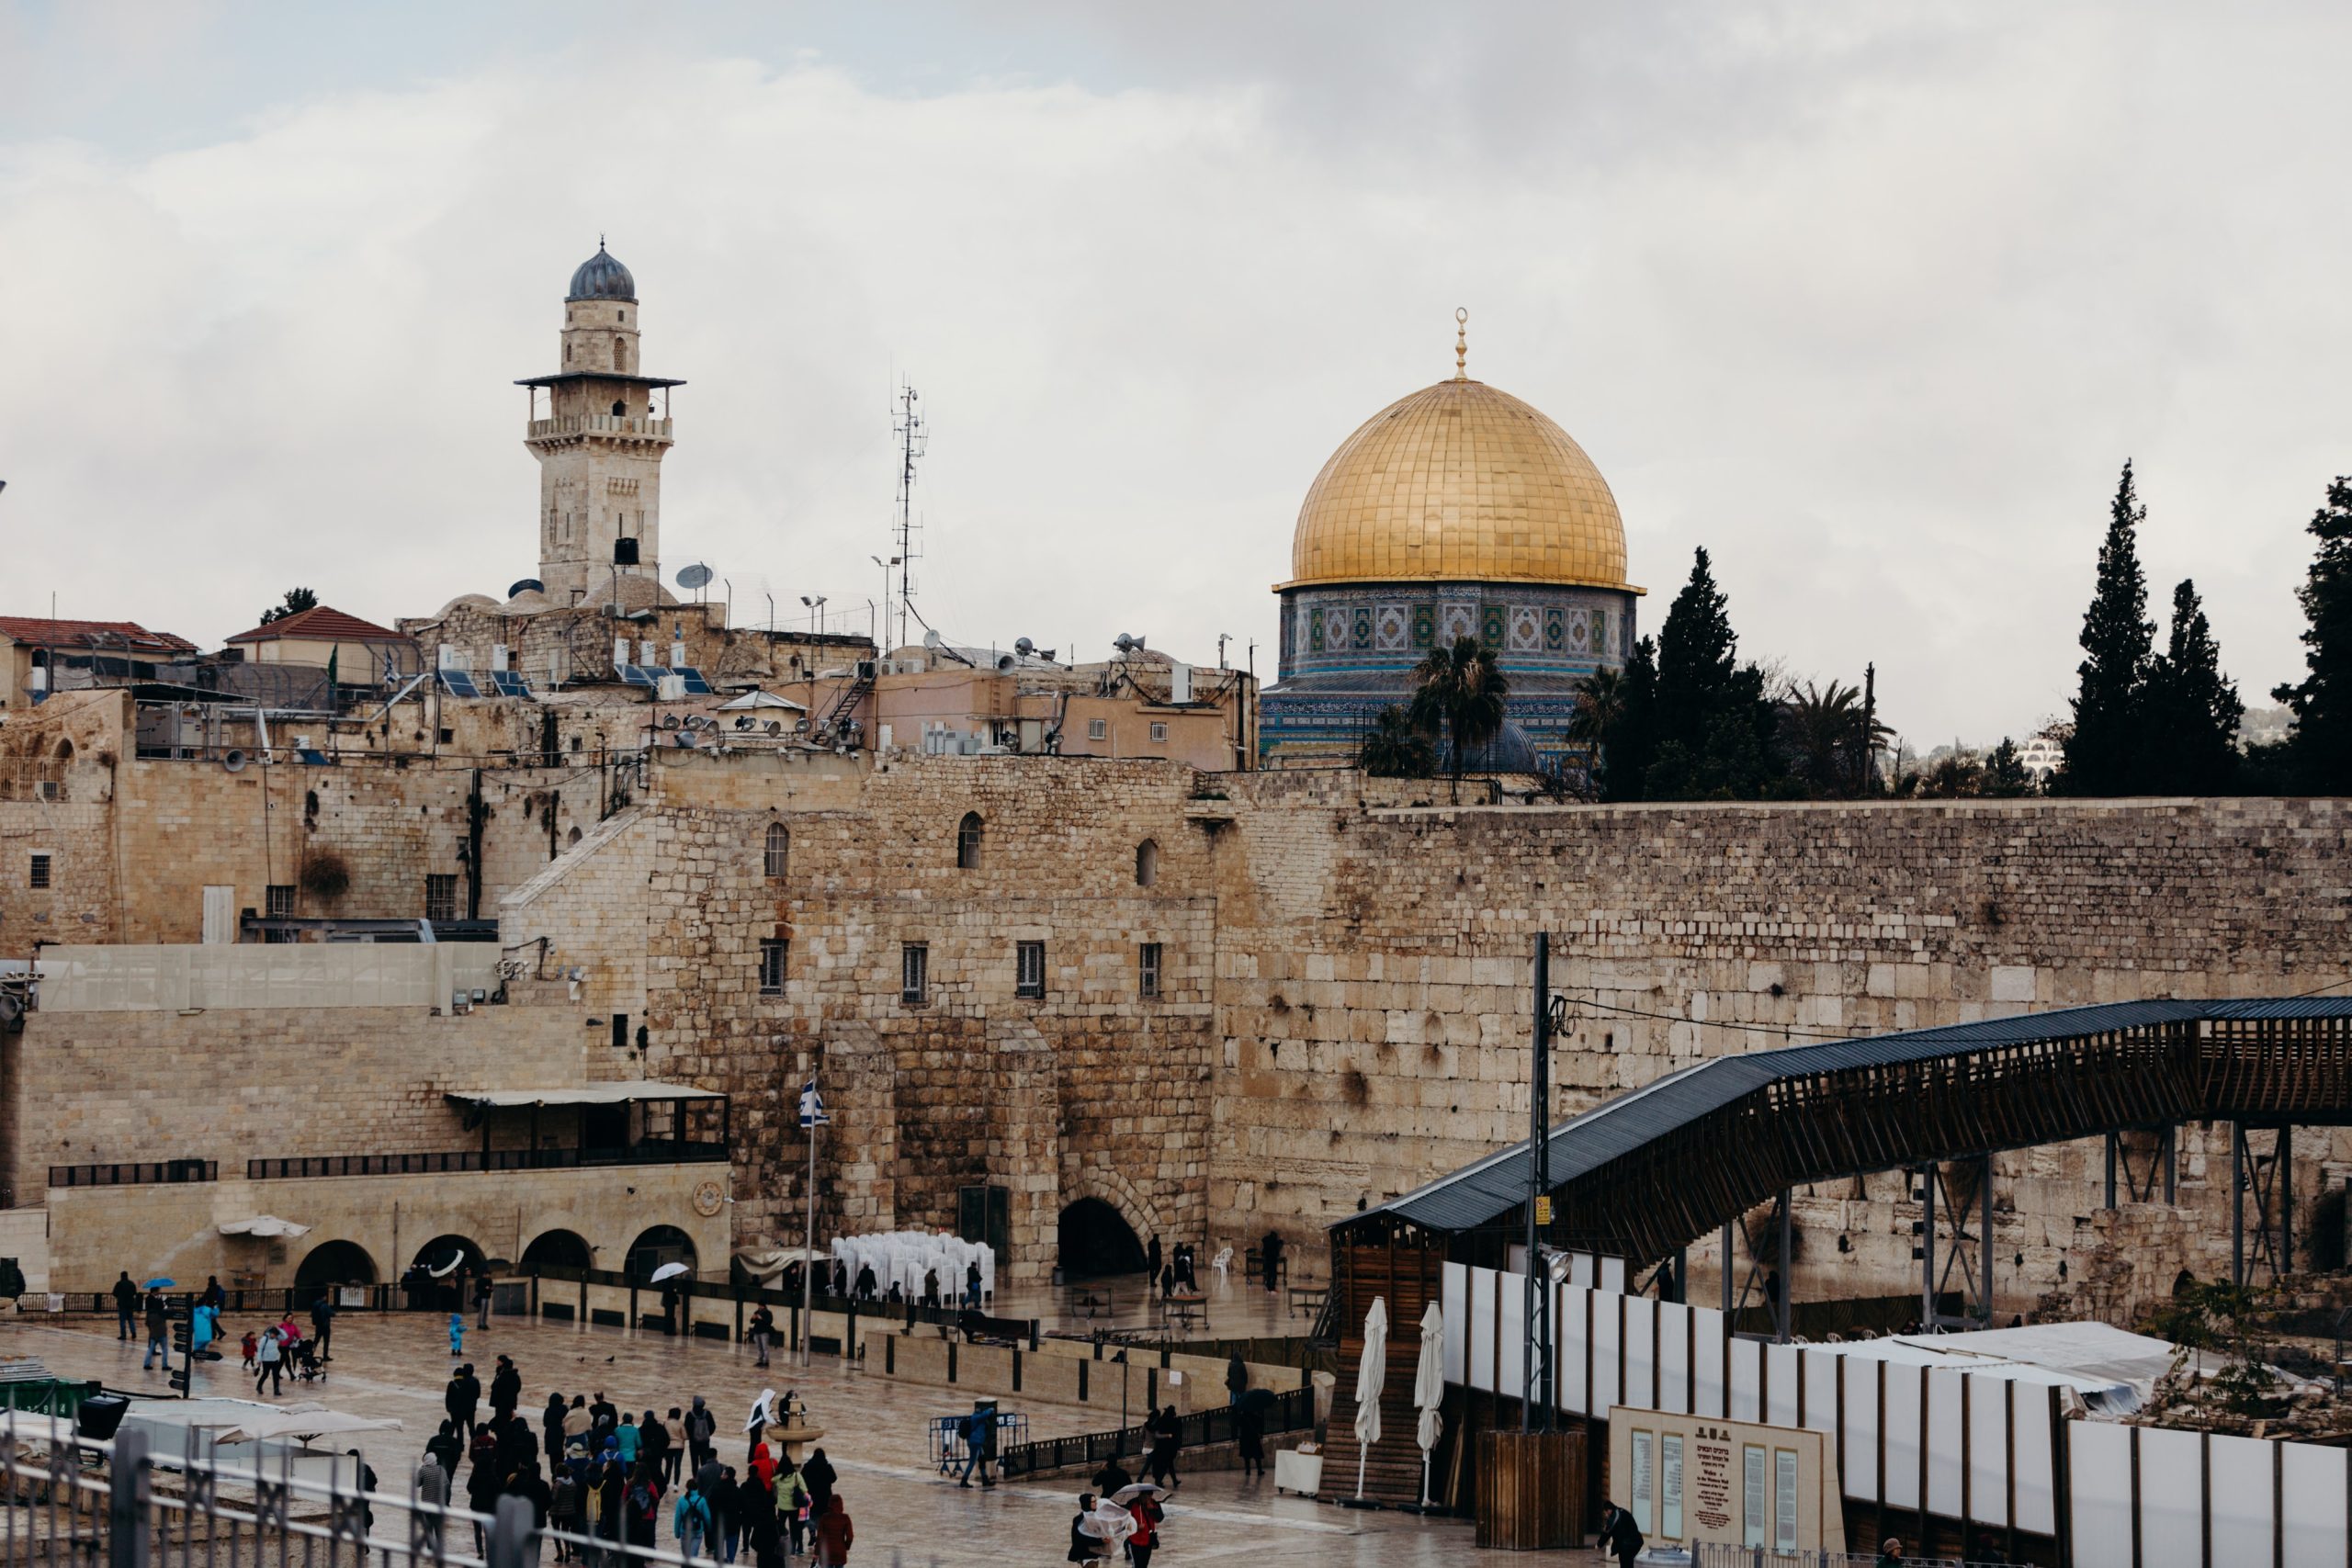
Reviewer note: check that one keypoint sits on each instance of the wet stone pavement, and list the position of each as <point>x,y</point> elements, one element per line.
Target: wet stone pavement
<point>905,1513</point>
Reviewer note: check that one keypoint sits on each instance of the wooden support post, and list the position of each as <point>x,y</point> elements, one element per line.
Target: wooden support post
<point>1985,1236</point>
<point>2237,1249</point>
<point>1927,1249</point>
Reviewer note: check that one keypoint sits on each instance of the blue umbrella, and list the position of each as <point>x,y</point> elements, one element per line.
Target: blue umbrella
<point>161,1284</point>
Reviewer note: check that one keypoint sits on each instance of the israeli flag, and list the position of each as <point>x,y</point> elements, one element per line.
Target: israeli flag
<point>812,1106</point>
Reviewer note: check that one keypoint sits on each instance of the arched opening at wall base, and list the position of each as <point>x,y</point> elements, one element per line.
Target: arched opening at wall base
<point>1096,1240</point>
<point>332,1263</point>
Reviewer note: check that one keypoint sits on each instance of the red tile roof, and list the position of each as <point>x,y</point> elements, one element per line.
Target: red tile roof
<point>321,623</point>
<point>41,632</point>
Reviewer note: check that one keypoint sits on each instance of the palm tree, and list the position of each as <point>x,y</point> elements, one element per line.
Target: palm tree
<point>1601,705</point>
<point>1832,737</point>
<point>1463,689</point>
<point>1395,750</point>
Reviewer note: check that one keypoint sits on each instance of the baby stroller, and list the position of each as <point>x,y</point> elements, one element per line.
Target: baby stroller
<point>302,1361</point>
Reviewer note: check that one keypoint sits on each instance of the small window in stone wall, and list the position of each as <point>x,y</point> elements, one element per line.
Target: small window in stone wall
<point>914,974</point>
<point>967,843</point>
<point>779,852</point>
<point>1147,969</point>
<point>441,898</point>
<point>277,903</point>
<point>1029,969</point>
<point>1098,728</point>
<point>774,952</point>
<point>36,871</point>
<point>1146,863</point>
<point>1159,732</point>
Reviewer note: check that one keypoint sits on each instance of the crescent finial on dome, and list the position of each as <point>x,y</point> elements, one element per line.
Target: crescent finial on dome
<point>1462,342</point>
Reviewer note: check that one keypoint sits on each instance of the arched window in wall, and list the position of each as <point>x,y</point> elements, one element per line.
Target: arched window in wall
<point>1146,863</point>
<point>779,852</point>
<point>968,841</point>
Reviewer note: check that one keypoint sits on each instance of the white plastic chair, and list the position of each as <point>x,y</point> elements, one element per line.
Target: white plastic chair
<point>1221,1262</point>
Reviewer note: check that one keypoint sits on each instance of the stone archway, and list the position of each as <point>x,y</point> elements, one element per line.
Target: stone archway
<point>1093,1240</point>
<point>1105,1184</point>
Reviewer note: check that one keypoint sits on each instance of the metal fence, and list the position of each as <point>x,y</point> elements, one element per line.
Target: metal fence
<point>1711,1554</point>
<point>72,1500</point>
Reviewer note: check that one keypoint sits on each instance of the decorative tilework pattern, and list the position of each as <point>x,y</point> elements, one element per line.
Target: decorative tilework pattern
<point>1391,636</point>
<point>1460,480</point>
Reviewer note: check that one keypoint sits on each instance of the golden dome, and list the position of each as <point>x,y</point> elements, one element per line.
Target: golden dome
<point>1459,482</point>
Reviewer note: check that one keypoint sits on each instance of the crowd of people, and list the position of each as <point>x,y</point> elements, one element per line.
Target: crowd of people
<point>598,1477</point>
<point>270,1351</point>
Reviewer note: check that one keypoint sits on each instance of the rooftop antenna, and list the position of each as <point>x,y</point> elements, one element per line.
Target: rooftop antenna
<point>913,439</point>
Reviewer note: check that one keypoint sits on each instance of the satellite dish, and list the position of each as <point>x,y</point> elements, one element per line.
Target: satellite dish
<point>695,575</point>
<point>526,585</point>
<point>233,759</point>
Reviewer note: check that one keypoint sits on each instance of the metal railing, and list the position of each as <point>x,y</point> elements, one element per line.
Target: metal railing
<point>78,1500</point>
<point>1291,1411</point>
<point>446,1162</point>
<point>1717,1554</point>
<point>134,1173</point>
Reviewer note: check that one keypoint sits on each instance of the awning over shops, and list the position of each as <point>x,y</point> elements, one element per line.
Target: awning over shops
<point>580,1094</point>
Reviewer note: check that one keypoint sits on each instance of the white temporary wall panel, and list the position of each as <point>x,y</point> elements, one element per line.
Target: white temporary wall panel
<point>1708,1375</point>
<point>1511,1381</point>
<point>1943,1442</point>
<point>1674,1358</point>
<point>2172,1469</point>
<point>2240,1493</point>
<point>1860,1475</point>
<point>1481,1329</point>
<point>1454,1297</point>
<point>1781,1385</point>
<point>2099,1493</point>
<point>1641,1350</point>
<point>1607,1337</point>
<point>1903,1414</point>
<point>1745,1382</point>
<point>2317,1503</point>
<point>1988,1459</point>
<point>2036,1462</point>
<point>1612,1274</point>
<point>1820,1374</point>
<point>1574,1394</point>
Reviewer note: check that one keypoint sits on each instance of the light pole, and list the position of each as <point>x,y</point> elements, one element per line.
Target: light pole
<point>812,1116</point>
<point>817,605</point>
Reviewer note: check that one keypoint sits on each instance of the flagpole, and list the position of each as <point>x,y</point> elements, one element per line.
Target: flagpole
<point>809,1256</point>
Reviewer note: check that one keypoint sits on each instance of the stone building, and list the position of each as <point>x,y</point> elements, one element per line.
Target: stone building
<point>1455,512</point>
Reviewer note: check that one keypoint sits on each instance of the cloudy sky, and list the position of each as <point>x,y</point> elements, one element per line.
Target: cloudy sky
<point>1872,301</point>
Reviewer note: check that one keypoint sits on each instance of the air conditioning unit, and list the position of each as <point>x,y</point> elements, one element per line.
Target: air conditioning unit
<point>498,655</point>
<point>671,688</point>
<point>866,668</point>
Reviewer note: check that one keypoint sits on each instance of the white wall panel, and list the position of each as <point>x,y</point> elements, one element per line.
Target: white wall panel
<point>1710,1372</point>
<point>1861,1429</point>
<point>1606,1338</point>
<point>1573,1395</point>
<point>2241,1482</point>
<point>1820,1373</point>
<point>1453,1286</point>
<point>2172,1470</point>
<point>1511,1381</point>
<point>1943,1442</point>
<point>1641,1348</point>
<point>1781,1385</point>
<point>2099,1456</point>
<point>1674,1357</point>
<point>2035,1461</point>
<point>1904,1387</point>
<point>1747,1380</point>
<point>1988,1447</point>
<point>2317,1504</point>
<point>1481,1329</point>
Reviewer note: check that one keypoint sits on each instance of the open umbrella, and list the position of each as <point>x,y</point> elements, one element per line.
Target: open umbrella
<point>449,1268</point>
<point>1260,1400</point>
<point>1108,1522</point>
<point>1126,1494</point>
<point>670,1271</point>
<point>160,1283</point>
<point>1429,1390</point>
<point>1372,1375</point>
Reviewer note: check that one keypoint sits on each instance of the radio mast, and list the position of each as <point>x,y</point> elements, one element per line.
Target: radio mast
<point>908,426</point>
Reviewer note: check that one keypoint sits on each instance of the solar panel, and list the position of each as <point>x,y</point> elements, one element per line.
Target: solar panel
<point>459,683</point>
<point>510,682</point>
<point>637,675</point>
<point>695,684</point>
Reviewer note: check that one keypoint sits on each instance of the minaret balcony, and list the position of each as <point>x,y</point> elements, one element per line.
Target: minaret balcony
<point>601,424</point>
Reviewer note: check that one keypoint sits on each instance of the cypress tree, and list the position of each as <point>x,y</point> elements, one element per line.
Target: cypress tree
<point>2192,710</point>
<point>1710,729</point>
<point>2104,749</point>
<point>2322,701</point>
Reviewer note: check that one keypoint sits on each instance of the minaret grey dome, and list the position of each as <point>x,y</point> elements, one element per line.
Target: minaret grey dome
<point>602,278</point>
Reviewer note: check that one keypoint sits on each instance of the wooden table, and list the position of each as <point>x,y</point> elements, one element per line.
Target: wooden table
<point>1310,1298</point>
<point>1186,1308</point>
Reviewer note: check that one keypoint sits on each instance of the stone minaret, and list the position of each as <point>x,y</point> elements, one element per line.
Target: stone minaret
<point>599,434</point>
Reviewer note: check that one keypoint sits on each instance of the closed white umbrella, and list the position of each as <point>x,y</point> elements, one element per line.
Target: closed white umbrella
<point>1429,1390</point>
<point>1372,1375</point>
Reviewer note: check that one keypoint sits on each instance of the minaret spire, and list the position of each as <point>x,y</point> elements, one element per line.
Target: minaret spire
<point>1462,344</point>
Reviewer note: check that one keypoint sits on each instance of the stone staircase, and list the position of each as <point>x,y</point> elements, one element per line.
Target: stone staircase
<point>1392,1470</point>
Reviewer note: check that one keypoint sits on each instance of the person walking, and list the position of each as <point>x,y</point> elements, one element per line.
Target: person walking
<point>447,1449</point>
<point>1619,1537</point>
<point>1151,1260</point>
<point>1269,1258</point>
<point>700,1427</point>
<point>431,1485</point>
<point>159,1332</point>
<point>505,1387</point>
<point>674,1444</point>
<point>1085,1547</point>
<point>643,1505</point>
<point>126,1304</point>
<point>1147,1515</point>
<point>691,1521</point>
<point>818,1473</point>
<point>972,1284</point>
<point>459,1400</point>
<point>762,1531</point>
<point>527,1483</point>
<point>322,1323</point>
<point>762,1331</point>
<point>483,1483</point>
<point>203,1328</point>
<point>551,1431</point>
<point>565,1502</point>
<point>482,1300</point>
<point>214,1296</point>
<point>1167,1436</point>
<point>834,1534</point>
<point>791,1505</point>
<point>269,1363</point>
<point>977,1429</point>
<point>727,1509</point>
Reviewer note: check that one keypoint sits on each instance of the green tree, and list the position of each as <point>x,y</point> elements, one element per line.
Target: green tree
<point>1704,727</point>
<point>1958,776</point>
<point>1829,735</point>
<point>2321,750</point>
<point>297,601</point>
<point>1395,749</point>
<point>1632,738</point>
<point>1599,711</point>
<point>1459,690</point>
<point>2192,709</point>
<point>2118,639</point>
<point>2004,774</point>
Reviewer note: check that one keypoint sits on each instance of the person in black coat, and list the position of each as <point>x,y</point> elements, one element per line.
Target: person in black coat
<point>1619,1538</point>
<point>1085,1548</point>
<point>820,1475</point>
<point>1151,1258</point>
<point>551,1428</point>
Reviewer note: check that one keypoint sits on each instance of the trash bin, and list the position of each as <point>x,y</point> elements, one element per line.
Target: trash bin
<point>99,1416</point>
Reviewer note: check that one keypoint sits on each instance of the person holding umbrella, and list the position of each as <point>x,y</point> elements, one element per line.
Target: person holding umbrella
<point>1142,1503</point>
